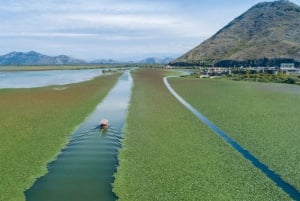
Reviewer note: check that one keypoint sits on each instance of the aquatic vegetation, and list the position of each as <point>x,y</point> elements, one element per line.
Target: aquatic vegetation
<point>168,154</point>
<point>35,125</point>
<point>84,170</point>
<point>262,117</point>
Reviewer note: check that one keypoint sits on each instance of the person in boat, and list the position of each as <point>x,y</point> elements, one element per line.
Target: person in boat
<point>104,124</point>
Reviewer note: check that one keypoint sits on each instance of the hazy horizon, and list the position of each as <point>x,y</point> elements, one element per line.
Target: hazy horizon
<point>113,29</point>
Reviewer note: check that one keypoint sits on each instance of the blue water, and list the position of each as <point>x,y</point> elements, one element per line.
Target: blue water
<point>30,79</point>
<point>288,188</point>
<point>84,169</point>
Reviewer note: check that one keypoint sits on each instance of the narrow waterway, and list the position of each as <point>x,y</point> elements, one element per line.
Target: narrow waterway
<point>84,169</point>
<point>288,188</point>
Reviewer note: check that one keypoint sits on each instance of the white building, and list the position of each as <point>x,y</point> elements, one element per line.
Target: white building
<point>287,66</point>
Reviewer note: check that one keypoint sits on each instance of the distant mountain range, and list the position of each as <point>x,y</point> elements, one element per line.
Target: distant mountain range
<point>265,35</point>
<point>153,60</point>
<point>149,60</point>
<point>35,58</point>
<point>105,61</point>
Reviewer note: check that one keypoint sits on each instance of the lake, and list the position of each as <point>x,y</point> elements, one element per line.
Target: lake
<point>30,79</point>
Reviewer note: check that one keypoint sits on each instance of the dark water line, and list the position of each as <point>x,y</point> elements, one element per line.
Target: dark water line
<point>84,169</point>
<point>288,188</point>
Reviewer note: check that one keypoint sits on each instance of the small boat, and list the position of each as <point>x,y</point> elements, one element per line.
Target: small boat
<point>104,124</point>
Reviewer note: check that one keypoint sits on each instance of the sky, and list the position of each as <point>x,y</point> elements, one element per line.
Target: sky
<point>113,29</point>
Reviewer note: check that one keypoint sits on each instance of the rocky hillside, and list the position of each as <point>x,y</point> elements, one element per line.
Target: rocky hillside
<point>35,58</point>
<point>265,35</point>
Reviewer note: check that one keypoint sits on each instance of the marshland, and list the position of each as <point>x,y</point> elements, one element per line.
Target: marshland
<point>201,100</point>
<point>166,153</point>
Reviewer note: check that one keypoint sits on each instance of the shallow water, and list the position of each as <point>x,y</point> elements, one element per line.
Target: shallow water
<point>84,169</point>
<point>29,79</point>
<point>288,188</point>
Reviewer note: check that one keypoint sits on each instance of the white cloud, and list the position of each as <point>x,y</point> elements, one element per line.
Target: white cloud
<point>115,26</point>
<point>48,16</point>
<point>83,28</point>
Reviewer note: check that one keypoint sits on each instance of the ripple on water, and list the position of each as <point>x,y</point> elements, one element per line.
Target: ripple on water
<point>84,169</point>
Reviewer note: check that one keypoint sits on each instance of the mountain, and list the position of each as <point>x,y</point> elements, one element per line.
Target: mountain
<point>105,61</point>
<point>149,60</point>
<point>35,58</point>
<point>153,60</point>
<point>265,35</point>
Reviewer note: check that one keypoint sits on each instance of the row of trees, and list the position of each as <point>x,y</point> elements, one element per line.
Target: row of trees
<point>280,77</point>
<point>263,62</point>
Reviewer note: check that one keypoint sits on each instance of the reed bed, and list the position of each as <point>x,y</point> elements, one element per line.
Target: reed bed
<point>168,154</point>
<point>35,124</point>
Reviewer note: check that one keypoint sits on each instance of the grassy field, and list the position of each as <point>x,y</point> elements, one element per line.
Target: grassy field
<point>262,117</point>
<point>168,154</point>
<point>35,124</point>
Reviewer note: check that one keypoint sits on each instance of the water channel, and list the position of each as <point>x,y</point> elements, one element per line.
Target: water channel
<point>84,169</point>
<point>288,188</point>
